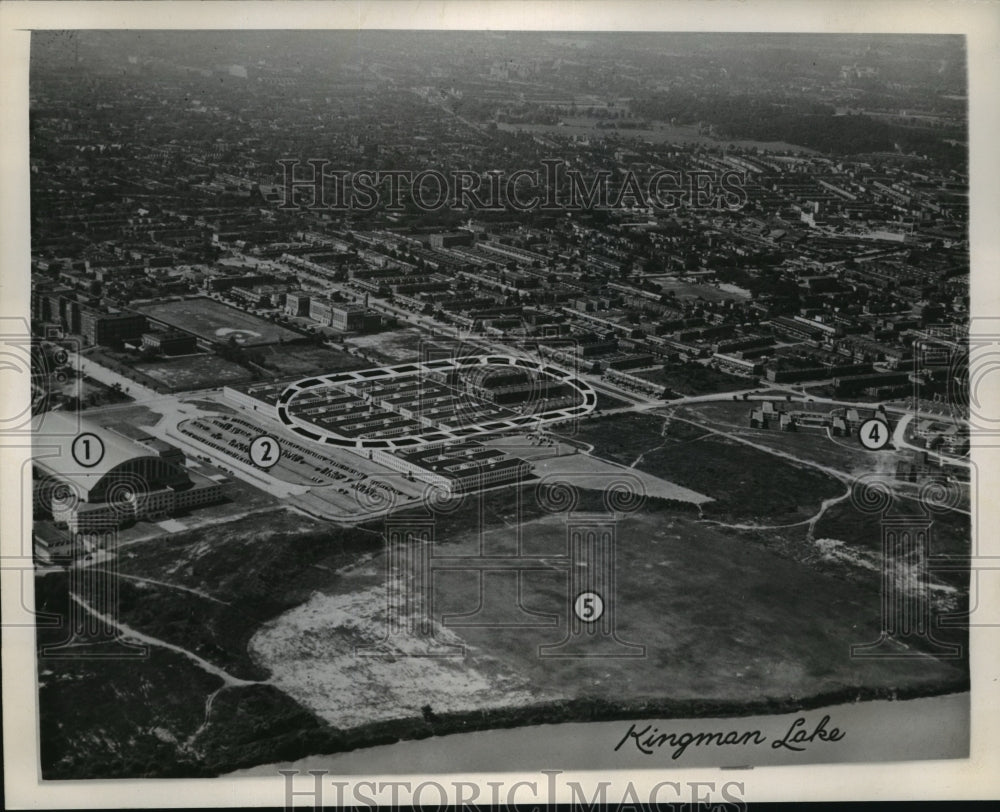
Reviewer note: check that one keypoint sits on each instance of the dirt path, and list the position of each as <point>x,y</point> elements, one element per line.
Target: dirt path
<point>153,581</point>
<point>130,633</point>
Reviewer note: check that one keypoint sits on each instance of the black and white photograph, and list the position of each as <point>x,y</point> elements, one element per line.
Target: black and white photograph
<point>410,401</point>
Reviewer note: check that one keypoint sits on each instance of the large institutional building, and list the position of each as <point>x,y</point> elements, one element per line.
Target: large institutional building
<point>134,476</point>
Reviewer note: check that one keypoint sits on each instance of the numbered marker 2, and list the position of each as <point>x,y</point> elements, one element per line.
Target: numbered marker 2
<point>874,434</point>
<point>265,451</point>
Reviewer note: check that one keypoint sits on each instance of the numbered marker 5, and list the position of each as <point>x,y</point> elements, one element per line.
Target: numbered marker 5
<point>588,606</point>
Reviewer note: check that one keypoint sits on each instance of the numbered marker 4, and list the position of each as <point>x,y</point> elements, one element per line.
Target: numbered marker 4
<point>874,434</point>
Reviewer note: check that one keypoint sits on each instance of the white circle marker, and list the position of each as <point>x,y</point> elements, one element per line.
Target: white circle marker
<point>87,449</point>
<point>874,434</point>
<point>265,451</point>
<point>588,606</point>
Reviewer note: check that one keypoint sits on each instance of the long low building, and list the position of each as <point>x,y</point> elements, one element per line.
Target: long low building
<point>455,469</point>
<point>90,477</point>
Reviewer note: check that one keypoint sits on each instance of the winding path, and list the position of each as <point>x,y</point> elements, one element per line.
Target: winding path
<point>128,632</point>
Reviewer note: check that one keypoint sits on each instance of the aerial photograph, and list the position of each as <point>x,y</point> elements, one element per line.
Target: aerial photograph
<point>413,390</point>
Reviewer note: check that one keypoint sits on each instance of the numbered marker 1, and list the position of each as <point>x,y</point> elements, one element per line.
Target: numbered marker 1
<point>588,606</point>
<point>874,434</point>
<point>87,449</point>
<point>265,451</point>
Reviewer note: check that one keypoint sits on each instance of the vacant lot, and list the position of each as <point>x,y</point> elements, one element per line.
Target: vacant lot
<point>816,445</point>
<point>606,402</point>
<point>280,602</point>
<point>659,133</point>
<point>393,346</point>
<point>302,359</point>
<point>693,290</point>
<point>720,620</point>
<point>695,379</point>
<point>407,344</point>
<point>746,483</point>
<point>216,322</point>
<point>193,372</point>
<point>81,392</point>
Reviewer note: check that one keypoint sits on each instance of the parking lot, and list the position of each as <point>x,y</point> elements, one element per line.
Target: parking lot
<point>341,484</point>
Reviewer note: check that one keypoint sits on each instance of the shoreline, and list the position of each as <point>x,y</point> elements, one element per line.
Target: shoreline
<point>362,748</point>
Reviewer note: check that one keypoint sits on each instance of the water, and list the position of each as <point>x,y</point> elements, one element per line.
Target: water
<point>881,730</point>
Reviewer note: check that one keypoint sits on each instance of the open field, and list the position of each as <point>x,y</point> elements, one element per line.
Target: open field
<point>693,290</point>
<point>746,483</point>
<point>606,401</point>
<point>303,359</point>
<point>193,372</point>
<point>585,471</point>
<point>853,537</point>
<point>253,624</point>
<point>721,620</point>
<point>74,391</point>
<point>661,133</point>
<point>218,323</point>
<point>134,415</point>
<point>842,453</point>
<point>694,379</point>
<point>392,346</point>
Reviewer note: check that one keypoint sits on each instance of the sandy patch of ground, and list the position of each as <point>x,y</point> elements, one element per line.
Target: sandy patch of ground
<point>585,471</point>
<point>397,345</point>
<point>310,652</point>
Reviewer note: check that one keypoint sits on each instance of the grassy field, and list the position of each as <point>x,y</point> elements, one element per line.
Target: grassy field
<point>661,133</point>
<point>606,402</point>
<point>747,484</point>
<point>279,602</point>
<point>302,359</point>
<point>194,372</point>
<point>860,535</point>
<point>216,322</point>
<point>393,346</point>
<point>719,619</point>
<point>695,379</point>
<point>693,290</point>
<point>157,715</point>
<point>842,453</point>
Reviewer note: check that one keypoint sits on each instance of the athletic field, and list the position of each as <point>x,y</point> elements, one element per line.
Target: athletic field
<point>216,322</point>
